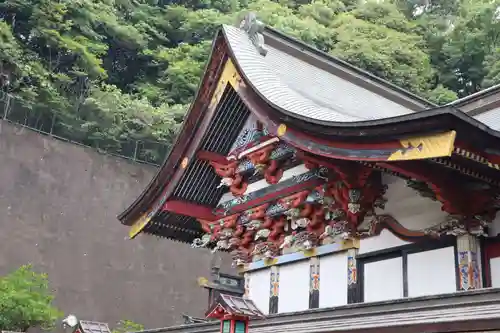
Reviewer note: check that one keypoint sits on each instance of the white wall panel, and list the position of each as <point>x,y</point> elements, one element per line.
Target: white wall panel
<point>432,272</point>
<point>333,280</point>
<point>260,288</point>
<point>383,280</point>
<point>385,240</point>
<point>294,287</point>
<point>495,272</point>
<point>408,207</point>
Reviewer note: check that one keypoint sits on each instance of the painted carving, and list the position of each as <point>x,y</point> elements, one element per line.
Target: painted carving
<point>457,225</point>
<point>201,242</point>
<point>302,241</point>
<point>352,274</point>
<point>274,289</point>
<point>471,205</point>
<point>230,178</point>
<point>314,275</point>
<point>222,245</point>
<point>265,250</point>
<point>261,159</point>
<point>298,222</point>
<point>334,231</point>
<point>262,234</point>
<point>468,269</point>
<point>314,283</point>
<point>329,212</point>
<point>452,226</point>
<point>240,257</point>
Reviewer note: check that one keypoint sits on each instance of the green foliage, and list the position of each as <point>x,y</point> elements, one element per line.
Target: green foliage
<point>105,72</point>
<point>126,326</point>
<point>26,301</point>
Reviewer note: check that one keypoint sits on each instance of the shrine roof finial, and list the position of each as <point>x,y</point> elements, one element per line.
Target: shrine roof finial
<point>254,28</point>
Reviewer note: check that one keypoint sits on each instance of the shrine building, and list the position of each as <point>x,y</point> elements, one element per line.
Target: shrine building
<point>345,202</point>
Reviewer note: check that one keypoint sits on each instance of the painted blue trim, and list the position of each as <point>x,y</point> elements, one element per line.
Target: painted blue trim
<point>296,256</point>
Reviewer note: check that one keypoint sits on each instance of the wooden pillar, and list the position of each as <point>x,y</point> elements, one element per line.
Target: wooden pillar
<point>469,263</point>
<point>353,287</point>
<point>274,289</point>
<point>314,283</point>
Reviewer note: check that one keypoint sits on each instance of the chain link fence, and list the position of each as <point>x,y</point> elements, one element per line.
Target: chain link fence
<point>44,121</point>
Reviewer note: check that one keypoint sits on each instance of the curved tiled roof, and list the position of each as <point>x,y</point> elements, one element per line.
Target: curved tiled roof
<point>327,95</point>
<point>301,88</point>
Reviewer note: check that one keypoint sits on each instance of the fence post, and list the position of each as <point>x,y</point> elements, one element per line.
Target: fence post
<point>136,149</point>
<point>52,124</point>
<point>6,105</point>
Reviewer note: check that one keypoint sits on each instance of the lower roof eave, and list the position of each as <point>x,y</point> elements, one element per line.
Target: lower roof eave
<point>460,311</point>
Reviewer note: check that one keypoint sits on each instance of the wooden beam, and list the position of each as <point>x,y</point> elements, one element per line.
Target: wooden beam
<point>189,209</point>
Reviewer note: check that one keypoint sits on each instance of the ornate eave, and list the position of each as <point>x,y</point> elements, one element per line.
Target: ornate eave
<point>187,187</point>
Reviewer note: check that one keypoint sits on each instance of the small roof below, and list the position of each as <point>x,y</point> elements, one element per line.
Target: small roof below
<point>234,305</point>
<point>93,327</point>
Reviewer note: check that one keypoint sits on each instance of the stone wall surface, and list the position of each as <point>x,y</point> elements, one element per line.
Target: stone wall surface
<point>58,207</point>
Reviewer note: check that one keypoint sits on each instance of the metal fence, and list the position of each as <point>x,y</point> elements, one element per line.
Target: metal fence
<point>45,121</point>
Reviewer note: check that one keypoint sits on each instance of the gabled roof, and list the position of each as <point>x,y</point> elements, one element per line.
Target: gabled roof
<point>235,306</point>
<point>93,327</point>
<point>299,86</point>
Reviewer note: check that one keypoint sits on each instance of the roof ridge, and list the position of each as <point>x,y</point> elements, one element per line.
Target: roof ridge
<point>347,65</point>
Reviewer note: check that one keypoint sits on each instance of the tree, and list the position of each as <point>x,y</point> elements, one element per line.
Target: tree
<point>107,72</point>
<point>26,301</point>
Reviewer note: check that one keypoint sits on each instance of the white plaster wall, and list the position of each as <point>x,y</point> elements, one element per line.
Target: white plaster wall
<point>383,280</point>
<point>494,229</point>
<point>297,170</point>
<point>432,272</point>
<point>294,287</point>
<point>260,288</point>
<point>385,240</point>
<point>408,207</point>
<point>333,280</point>
<point>495,272</point>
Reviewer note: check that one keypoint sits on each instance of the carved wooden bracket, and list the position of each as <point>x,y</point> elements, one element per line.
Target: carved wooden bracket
<point>269,168</point>
<point>459,199</point>
<point>358,191</point>
<point>229,177</point>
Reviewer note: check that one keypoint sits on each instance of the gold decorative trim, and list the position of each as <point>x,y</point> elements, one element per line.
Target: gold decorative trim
<point>139,225</point>
<point>281,130</point>
<point>425,147</point>
<point>475,157</point>
<point>202,281</point>
<point>351,243</point>
<point>185,162</point>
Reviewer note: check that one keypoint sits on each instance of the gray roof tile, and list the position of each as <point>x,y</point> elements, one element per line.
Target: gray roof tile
<point>304,89</point>
<point>490,118</point>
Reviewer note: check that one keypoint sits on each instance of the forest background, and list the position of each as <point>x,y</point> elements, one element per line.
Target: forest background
<point>114,73</point>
